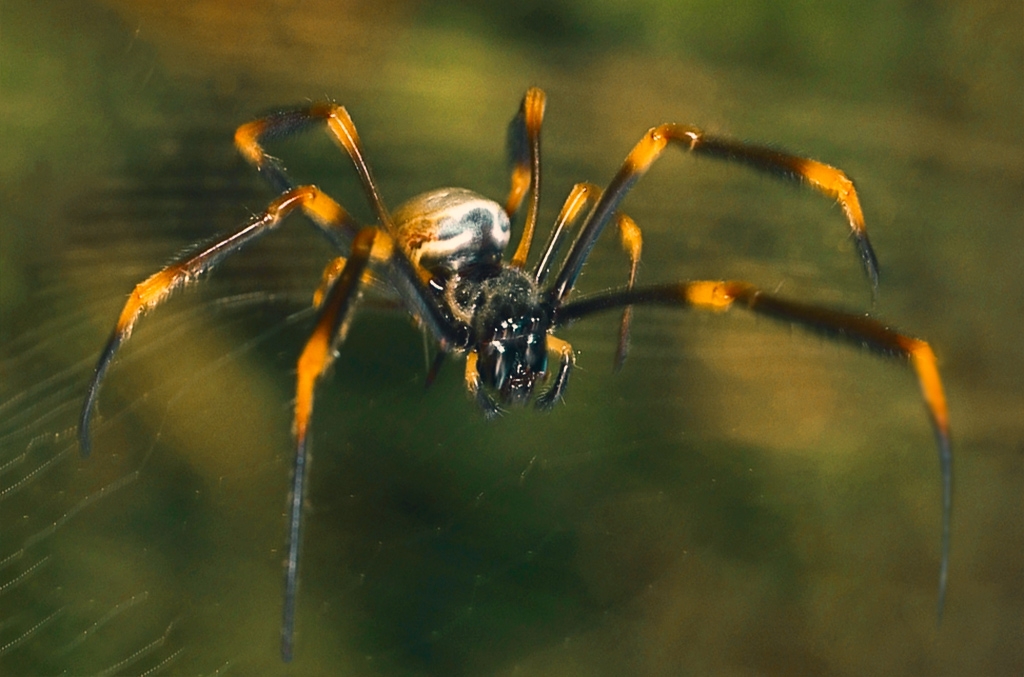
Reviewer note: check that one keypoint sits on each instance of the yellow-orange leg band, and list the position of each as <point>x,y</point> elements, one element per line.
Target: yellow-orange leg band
<point>472,375</point>
<point>927,369</point>
<point>561,348</point>
<point>318,353</point>
<point>533,116</point>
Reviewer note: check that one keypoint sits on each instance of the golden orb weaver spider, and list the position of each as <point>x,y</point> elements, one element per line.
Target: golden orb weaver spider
<point>442,254</point>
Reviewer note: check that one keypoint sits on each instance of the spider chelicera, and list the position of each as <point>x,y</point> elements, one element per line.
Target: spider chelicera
<point>441,254</point>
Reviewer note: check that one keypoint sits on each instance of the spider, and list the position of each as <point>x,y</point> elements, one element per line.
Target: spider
<point>442,255</point>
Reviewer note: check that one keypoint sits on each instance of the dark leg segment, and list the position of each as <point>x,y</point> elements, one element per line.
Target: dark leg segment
<point>630,237</point>
<point>316,357</point>
<point>566,360</point>
<point>821,177</point>
<point>486,403</point>
<point>857,329</point>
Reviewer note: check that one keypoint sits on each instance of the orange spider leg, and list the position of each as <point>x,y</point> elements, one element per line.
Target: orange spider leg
<point>858,329</point>
<point>566,361</point>
<point>486,403</point>
<point>526,168</point>
<point>155,289</point>
<point>632,242</point>
<point>316,358</point>
<point>342,130</point>
<point>821,177</point>
<point>381,251</point>
<point>581,195</point>
<point>327,278</point>
<point>630,238</point>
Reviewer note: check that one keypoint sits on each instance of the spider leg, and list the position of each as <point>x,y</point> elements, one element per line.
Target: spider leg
<point>630,238</point>
<point>342,130</point>
<point>581,195</point>
<point>155,289</point>
<point>334,268</point>
<point>335,314</point>
<point>405,276</point>
<point>857,329</point>
<point>632,242</point>
<point>566,360</point>
<point>487,404</point>
<point>819,176</point>
<point>435,368</point>
<point>331,272</point>
<point>524,152</point>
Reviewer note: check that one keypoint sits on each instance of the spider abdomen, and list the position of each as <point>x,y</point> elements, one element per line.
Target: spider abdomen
<point>450,229</point>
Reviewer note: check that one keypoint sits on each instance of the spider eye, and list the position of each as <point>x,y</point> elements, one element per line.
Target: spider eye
<point>536,356</point>
<point>493,365</point>
<point>511,361</point>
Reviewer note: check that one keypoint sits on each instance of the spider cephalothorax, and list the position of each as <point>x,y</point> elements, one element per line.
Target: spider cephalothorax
<point>510,328</point>
<point>442,254</point>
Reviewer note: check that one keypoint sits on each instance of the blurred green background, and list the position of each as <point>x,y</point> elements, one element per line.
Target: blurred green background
<point>741,498</point>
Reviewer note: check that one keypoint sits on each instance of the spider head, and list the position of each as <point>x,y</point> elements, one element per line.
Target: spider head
<point>512,328</point>
<point>512,359</point>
